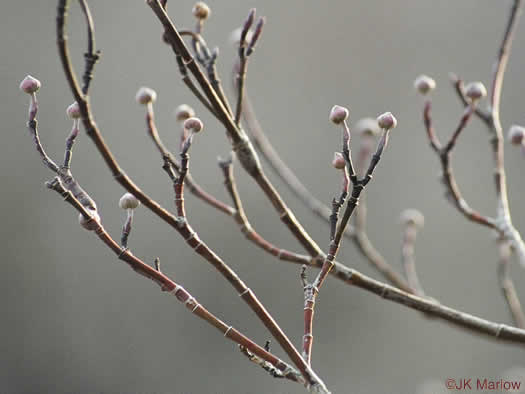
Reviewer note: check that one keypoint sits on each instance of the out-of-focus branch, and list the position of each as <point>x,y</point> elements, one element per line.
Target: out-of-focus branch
<point>358,236</point>
<point>507,285</point>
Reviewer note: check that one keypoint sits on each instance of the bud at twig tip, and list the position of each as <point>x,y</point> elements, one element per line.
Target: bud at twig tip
<point>338,161</point>
<point>424,84</point>
<point>73,111</point>
<point>146,95</point>
<point>183,112</point>
<point>412,217</point>
<point>516,134</point>
<point>338,114</point>
<point>387,121</point>
<point>193,124</point>
<point>30,85</point>
<point>201,11</point>
<point>128,201</point>
<point>475,91</point>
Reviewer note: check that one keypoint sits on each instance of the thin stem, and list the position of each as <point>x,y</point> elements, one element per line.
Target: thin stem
<point>169,286</point>
<point>244,224</point>
<point>180,225</point>
<point>92,56</point>
<point>289,178</point>
<point>194,188</point>
<point>507,285</point>
<point>126,229</point>
<point>70,140</point>
<point>448,178</point>
<point>408,258</point>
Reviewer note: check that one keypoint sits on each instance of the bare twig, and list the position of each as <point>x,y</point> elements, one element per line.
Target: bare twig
<point>507,285</point>
<point>193,187</point>
<point>448,179</point>
<point>181,294</point>
<point>358,236</point>
<point>180,225</point>
<point>92,56</point>
<point>244,224</point>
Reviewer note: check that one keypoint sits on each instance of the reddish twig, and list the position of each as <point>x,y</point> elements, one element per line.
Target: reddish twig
<point>175,222</point>
<point>181,294</point>
<point>193,187</point>
<point>449,181</point>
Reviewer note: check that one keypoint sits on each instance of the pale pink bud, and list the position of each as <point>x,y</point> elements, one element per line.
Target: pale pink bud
<point>89,224</point>
<point>412,217</point>
<point>367,127</point>
<point>73,111</point>
<point>201,10</point>
<point>146,95</point>
<point>387,121</point>
<point>193,124</point>
<point>30,85</point>
<point>338,114</point>
<point>475,91</point>
<point>424,84</point>
<point>183,112</point>
<point>128,201</point>
<point>516,134</point>
<point>338,161</point>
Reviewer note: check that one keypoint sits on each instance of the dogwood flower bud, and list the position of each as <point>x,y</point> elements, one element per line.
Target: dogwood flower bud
<point>145,96</point>
<point>183,112</point>
<point>387,121</point>
<point>201,11</point>
<point>516,134</point>
<point>338,161</point>
<point>424,84</point>
<point>475,91</point>
<point>338,114</point>
<point>193,124</point>
<point>30,85</point>
<point>412,217</point>
<point>367,127</point>
<point>89,224</point>
<point>73,111</point>
<point>128,201</point>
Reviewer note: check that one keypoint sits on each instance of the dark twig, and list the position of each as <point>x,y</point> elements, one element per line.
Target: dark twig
<point>92,56</point>
<point>507,285</point>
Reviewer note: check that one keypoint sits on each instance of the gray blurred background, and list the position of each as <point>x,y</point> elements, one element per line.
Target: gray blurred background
<point>76,320</point>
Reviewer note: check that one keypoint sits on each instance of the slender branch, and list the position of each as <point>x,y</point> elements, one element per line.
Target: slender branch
<point>70,140</point>
<point>358,185</point>
<point>244,224</point>
<point>180,225</point>
<point>448,179</point>
<point>194,188</point>
<point>240,142</point>
<point>359,237</point>
<point>181,294</point>
<point>407,256</point>
<point>193,240</point>
<point>92,56</point>
<point>507,285</point>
